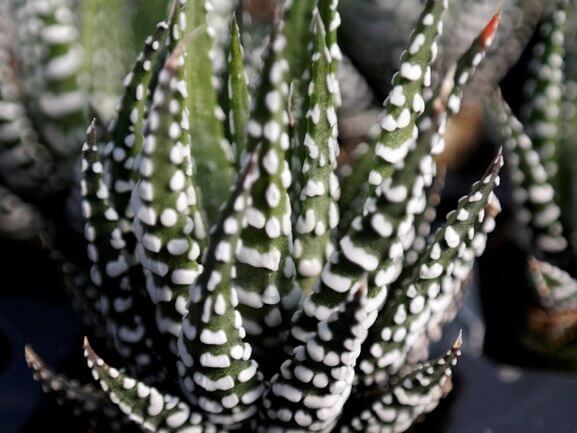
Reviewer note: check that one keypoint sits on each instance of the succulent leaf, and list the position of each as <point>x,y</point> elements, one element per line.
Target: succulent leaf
<point>26,165</point>
<point>545,87</point>
<point>238,94</point>
<point>297,17</point>
<point>127,129</point>
<point>368,245</point>
<point>554,288</point>
<point>210,149</point>
<point>52,61</point>
<point>424,220</point>
<point>168,221</point>
<point>215,363</point>
<point>533,190</point>
<point>317,204</point>
<point>83,399</point>
<point>142,404</point>
<point>219,15</point>
<point>403,320</point>
<point>331,18</point>
<point>106,43</point>
<point>118,303</point>
<point>397,407</point>
<point>438,110</point>
<point>455,281</point>
<point>313,385</point>
<point>265,272</point>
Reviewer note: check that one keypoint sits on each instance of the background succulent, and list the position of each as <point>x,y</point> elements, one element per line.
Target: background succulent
<point>541,157</point>
<point>276,318</point>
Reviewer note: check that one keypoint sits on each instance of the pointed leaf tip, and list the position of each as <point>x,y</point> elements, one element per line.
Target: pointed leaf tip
<point>89,352</point>
<point>488,35</point>
<point>458,344</point>
<point>497,163</point>
<point>32,358</point>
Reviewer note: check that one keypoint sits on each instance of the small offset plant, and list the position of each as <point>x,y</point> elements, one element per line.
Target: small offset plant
<point>220,283</point>
<point>541,153</point>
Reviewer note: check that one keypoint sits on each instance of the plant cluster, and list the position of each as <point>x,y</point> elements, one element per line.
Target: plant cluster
<point>220,279</point>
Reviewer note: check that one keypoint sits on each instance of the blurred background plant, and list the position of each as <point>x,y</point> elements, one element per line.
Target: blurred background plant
<point>541,156</point>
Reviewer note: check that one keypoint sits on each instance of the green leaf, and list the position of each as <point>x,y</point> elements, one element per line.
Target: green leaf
<point>127,128</point>
<point>314,384</point>
<point>119,303</point>
<point>210,149</point>
<point>82,400</point>
<point>52,62</point>
<point>423,222</point>
<point>457,277</point>
<point>238,94</point>
<point>168,218</point>
<point>533,191</point>
<point>403,319</point>
<point>152,410</point>
<point>439,109</point>
<point>297,18</point>
<point>332,20</point>
<point>401,403</point>
<point>105,36</point>
<point>216,369</point>
<point>317,204</point>
<point>545,88</point>
<point>555,289</point>
<point>373,241</point>
<point>265,271</point>
<point>26,165</point>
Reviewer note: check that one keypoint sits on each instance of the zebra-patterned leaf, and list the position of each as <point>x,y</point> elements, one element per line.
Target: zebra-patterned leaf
<point>317,204</point>
<point>146,406</point>
<point>168,221</point>
<point>404,317</point>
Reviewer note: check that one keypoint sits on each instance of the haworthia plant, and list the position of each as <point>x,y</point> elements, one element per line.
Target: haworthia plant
<point>540,157</point>
<point>535,192</point>
<point>543,89</point>
<point>268,313</point>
